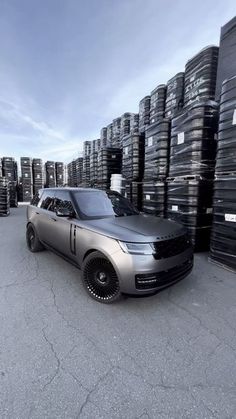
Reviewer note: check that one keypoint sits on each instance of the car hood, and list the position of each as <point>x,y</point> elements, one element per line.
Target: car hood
<point>136,228</point>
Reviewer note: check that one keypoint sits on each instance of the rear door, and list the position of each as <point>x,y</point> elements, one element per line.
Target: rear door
<point>44,215</point>
<point>63,229</point>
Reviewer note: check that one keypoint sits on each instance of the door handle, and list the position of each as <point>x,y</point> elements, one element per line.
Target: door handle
<point>37,212</point>
<point>53,219</point>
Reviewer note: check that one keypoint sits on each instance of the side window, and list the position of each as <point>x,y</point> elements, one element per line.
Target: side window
<point>47,201</point>
<point>36,198</point>
<point>63,201</point>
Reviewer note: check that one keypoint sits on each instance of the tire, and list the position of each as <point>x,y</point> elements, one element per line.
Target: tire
<point>100,279</point>
<point>32,240</point>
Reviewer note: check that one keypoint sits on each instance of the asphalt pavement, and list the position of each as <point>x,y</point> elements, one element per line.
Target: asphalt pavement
<point>63,355</point>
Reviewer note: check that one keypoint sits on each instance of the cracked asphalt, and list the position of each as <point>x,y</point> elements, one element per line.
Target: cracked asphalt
<point>63,355</point>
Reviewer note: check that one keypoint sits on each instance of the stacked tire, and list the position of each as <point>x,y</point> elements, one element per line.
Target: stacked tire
<point>37,167</point>
<point>190,203</point>
<point>191,171</point>
<point>144,113</point>
<point>59,167</point>
<point>174,95</point>
<point>157,104</point>
<point>200,76</point>
<point>4,197</point>
<point>93,168</point>
<point>50,174</point>
<point>157,140</point>
<point>109,162</point>
<point>223,238</point>
<point>27,179</point>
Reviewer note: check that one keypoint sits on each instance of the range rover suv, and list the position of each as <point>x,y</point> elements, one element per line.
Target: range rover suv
<point>118,249</point>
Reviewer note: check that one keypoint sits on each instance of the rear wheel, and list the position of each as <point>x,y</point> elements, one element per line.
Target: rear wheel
<point>100,279</point>
<point>32,240</point>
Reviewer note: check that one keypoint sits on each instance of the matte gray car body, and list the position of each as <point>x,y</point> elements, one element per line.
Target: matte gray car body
<point>75,238</point>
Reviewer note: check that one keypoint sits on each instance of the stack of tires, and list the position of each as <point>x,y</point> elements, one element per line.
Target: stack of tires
<point>116,132</point>
<point>223,237</point>
<point>109,162</point>
<point>50,174</point>
<point>86,171</point>
<point>157,103</point>
<point>59,167</point>
<point>109,135</point>
<point>4,197</point>
<point>125,125</point>
<point>134,123</point>
<point>191,170</point>
<point>144,113</point>
<point>10,172</point>
<point>93,168</point>
<point>79,171</point>
<point>103,137</point>
<point>37,167</point>
<point>200,76</point>
<point>27,179</point>
<point>133,166</point>
<point>157,140</point>
<point>174,95</point>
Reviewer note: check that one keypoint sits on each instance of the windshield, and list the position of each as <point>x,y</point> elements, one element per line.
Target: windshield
<point>99,204</point>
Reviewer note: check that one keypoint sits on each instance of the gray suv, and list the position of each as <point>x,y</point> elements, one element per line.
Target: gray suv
<point>118,249</point>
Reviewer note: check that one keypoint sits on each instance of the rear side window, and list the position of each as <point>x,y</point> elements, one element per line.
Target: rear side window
<point>63,200</point>
<point>36,198</point>
<point>47,201</point>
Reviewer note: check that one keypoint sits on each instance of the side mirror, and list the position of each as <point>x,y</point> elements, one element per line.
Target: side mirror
<point>64,212</point>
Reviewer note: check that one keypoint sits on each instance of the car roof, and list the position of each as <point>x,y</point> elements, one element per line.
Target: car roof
<point>69,188</point>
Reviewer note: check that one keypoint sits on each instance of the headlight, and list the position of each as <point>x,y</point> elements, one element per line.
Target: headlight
<point>137,248</point>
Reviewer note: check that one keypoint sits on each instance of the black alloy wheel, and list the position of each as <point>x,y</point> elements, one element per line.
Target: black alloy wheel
<point>100,279</point>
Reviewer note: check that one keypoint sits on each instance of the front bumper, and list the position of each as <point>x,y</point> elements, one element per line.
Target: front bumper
<point>142,274</point>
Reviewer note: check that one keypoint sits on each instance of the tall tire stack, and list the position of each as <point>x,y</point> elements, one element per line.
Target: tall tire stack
<point>134,123</point>
<point>59,167</point>
<point>70,174</point>
<point>37,167</point>
<point>103,137</point>
<point>109,162</point>
<point>190,203</point>
<point>157,140</point>
<point>79,171</point>
<point>154,197</point>
<point>27,178</point>
<point>50,174</point>
<point>116,130</point>
<point>4,197</point>
<point>157,104</point>
<point>191,170</point>
<point>93,168</point>
<point>200,76</point>
<point>13,195</point>
<point>223,237</point>
<point>226,61</point>
<point>86,171</point>
<point>133,157</point>
<point>174,95</point>
<point>125,125</point>
<point>144,113</point>
<point>10,172</point>
<point>109,135</point>
<point>133,166</point>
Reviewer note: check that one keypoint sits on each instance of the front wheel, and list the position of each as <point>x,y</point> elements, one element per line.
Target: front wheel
<point>32,240</point>
<point>100,279</point>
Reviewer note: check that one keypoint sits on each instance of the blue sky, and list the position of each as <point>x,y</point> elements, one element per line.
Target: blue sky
<point>68,67</point>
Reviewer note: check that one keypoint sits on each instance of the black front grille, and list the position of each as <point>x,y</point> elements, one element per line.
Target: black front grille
<point>159,279</point>
<point>172,247</point>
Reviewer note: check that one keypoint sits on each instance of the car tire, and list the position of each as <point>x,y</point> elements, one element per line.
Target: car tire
<point>32,240</point>
<point>100,279</point>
